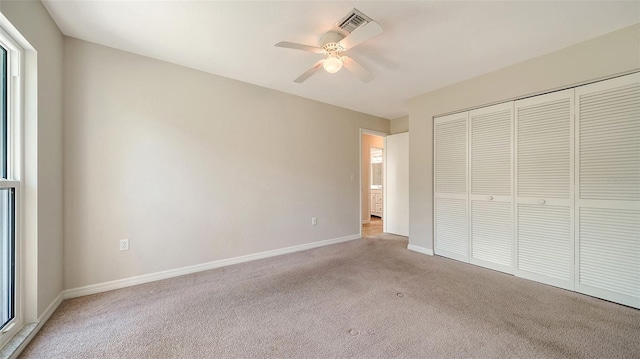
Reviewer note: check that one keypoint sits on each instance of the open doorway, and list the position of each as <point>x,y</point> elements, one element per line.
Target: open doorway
<point>373,186</point>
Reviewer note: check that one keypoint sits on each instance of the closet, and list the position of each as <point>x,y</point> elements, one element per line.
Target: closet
<point>546,188</point>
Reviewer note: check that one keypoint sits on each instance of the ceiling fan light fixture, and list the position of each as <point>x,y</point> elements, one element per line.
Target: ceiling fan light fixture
<point>332,64</point>
<point>352,30</point>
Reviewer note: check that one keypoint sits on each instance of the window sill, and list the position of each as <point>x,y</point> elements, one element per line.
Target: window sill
<point>19,341</point>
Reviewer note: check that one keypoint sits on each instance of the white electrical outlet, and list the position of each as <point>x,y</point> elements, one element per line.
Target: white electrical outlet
<point>314,221</point>
<point>124,244</point>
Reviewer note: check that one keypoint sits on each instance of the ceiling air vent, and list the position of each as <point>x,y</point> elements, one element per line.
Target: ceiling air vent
<point>353,20</point>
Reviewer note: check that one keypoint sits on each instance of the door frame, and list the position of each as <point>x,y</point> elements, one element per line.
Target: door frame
<point>365,131</point>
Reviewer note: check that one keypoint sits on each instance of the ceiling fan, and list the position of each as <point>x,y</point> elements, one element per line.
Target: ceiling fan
<point>353,29</point>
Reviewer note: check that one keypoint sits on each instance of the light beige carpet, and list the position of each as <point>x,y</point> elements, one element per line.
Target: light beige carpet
<point>369,298</point>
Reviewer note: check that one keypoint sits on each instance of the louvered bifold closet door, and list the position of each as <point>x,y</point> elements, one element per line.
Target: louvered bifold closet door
<point>608,190</point>
<point>544,188</point>
<point>490,161</point>
<point>451,230</point>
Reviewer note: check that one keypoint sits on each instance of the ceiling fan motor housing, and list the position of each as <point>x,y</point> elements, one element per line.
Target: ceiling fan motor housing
<point>330,37</point>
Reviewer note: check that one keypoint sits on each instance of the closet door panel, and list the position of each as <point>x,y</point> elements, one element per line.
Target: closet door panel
<point>451,154</point>
<point>608,189</point>
<point>490,150</point>
<point>451,228</point>
<point>490,176</point>
<point>544,243</point>
<point>544,145</point>
<point>544,188</point>
<point>492,234</point>
<point>451,223</point>
<point>609,254</point>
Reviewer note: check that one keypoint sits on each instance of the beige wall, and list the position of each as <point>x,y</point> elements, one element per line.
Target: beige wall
<point>604,56</point>
<point>368,141</point>
<point>193,167</point>
<point>399,125</point>
<point>43,153</point>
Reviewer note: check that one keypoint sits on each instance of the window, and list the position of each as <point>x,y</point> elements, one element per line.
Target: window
<point>7,241</point>
<point>10,308</point>
<point>4,146</point>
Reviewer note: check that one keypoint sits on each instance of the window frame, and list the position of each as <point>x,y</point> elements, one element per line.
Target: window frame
<point>15,151</point>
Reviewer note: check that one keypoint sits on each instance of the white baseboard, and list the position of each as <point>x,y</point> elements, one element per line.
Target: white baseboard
<point>51,308</point>
<point>31,332</point>
<point>152,277</point>
<point>419,249</point>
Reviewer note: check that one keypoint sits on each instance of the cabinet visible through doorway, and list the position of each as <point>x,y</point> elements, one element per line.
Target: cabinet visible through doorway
<point>376,202</point>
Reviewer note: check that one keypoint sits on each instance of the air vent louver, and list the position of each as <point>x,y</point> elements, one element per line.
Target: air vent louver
<point>353,20</point>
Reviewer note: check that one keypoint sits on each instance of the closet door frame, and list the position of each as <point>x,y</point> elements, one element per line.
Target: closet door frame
<point>547,201</point>
<point>491,197</point>
<point>597,203</point>
<point>457,196</point>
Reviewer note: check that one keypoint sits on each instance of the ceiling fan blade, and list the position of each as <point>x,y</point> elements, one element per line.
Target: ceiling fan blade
<point>356,69</point>
<point>361,34</point>
<point>312,70</point>
<point>293,45</point>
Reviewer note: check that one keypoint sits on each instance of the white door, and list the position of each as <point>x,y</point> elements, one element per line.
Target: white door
<point>490,161</point>
<point>396,219</point>
<point>608,190</point>
<point>544,188</point>
<point>451,223</point>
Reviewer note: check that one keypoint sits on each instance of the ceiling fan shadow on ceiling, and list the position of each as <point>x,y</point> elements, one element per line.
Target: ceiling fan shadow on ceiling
<point>355,28</point>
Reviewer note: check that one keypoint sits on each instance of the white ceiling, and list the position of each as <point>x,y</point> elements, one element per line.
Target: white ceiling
<point>425,45</point>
